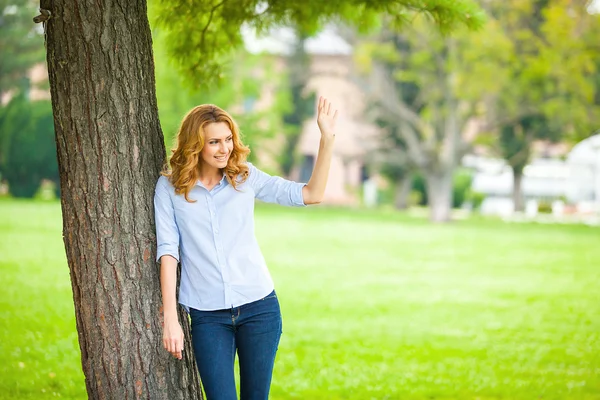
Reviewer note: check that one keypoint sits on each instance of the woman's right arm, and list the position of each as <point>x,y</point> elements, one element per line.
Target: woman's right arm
<point>172,332</point>
<point>167,253</point>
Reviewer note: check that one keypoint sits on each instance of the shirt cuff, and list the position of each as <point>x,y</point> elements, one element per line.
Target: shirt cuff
<point>297,198</point>
<point>166,250</point>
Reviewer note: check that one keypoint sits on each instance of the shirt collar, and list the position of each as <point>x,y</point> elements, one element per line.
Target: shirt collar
<point>222,182</point>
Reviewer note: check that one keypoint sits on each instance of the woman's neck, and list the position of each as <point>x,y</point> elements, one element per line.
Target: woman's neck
<point>208,175</point>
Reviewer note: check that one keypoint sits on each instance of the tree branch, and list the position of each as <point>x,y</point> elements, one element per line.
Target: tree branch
<point>390,100</point>
<point>210,17</point>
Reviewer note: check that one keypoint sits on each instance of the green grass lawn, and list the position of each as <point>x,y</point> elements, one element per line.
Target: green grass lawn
<point>376,305</point>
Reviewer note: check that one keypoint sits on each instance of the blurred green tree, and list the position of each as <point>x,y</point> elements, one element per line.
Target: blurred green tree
<point>30,152</point>
<point>20,40</point>
<point>429,89</point>
<point>20,46</point>
<point>548,89</point>
<point>507,78</point>
<point>111,149</point>
<point>202,34</point>
<point>391,157</point>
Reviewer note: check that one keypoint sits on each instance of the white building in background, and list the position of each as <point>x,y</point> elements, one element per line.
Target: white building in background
<point>543,179</point>
<point>584,166</point>
<point>575,181</point>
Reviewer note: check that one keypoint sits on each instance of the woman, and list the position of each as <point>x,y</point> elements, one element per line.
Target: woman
<point>204,210</point>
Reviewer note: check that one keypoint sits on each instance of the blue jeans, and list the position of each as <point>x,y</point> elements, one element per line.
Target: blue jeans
<point>253,330</point>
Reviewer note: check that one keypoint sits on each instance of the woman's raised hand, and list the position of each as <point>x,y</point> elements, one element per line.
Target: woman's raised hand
<point>326,117</point>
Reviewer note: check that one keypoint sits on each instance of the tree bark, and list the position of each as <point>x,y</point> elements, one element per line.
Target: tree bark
<point>403,187</point>
<point>439,194</point>
<point>110,151</point>
<point>519,204</point>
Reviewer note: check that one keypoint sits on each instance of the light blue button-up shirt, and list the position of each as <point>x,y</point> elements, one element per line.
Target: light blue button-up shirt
<point>213,238</point>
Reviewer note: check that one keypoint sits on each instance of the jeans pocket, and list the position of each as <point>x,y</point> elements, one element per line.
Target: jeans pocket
<point>271,295</point>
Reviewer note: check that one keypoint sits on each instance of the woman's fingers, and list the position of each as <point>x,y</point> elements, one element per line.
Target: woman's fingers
<point>324,106</point>
<point>179,345</point>
<point>174,346</point>
<point>178,349</point>
<point>173,338</point>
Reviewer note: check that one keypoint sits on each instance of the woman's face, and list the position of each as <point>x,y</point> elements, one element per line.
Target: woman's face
<point>218,145</point>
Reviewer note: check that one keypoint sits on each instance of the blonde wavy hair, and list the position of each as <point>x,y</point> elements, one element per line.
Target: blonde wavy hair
<point>182,168</point>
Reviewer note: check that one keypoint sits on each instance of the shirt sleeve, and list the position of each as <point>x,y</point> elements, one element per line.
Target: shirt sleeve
<point>274,189</point>
<point>167,233</point>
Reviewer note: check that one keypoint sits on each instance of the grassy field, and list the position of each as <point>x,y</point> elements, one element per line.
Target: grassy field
<point>376,305</point>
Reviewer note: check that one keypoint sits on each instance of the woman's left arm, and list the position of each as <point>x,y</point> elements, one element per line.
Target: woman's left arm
<point>314,190</point>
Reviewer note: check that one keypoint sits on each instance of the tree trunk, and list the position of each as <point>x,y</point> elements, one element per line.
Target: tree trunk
<point>439,195</point>
<point>519,204</point>
<point>110,151</point>
<point>403,187</point>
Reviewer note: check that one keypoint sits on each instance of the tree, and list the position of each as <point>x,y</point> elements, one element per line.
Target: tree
<point>392,158</point>
<point>201,34</point>
<point>29,154</point>
<point>548,91</point>
<point>19,39</point>
<point>515,145</point>
<point>512,72</point>
<point>426,84</point>
<point>110,152</point>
